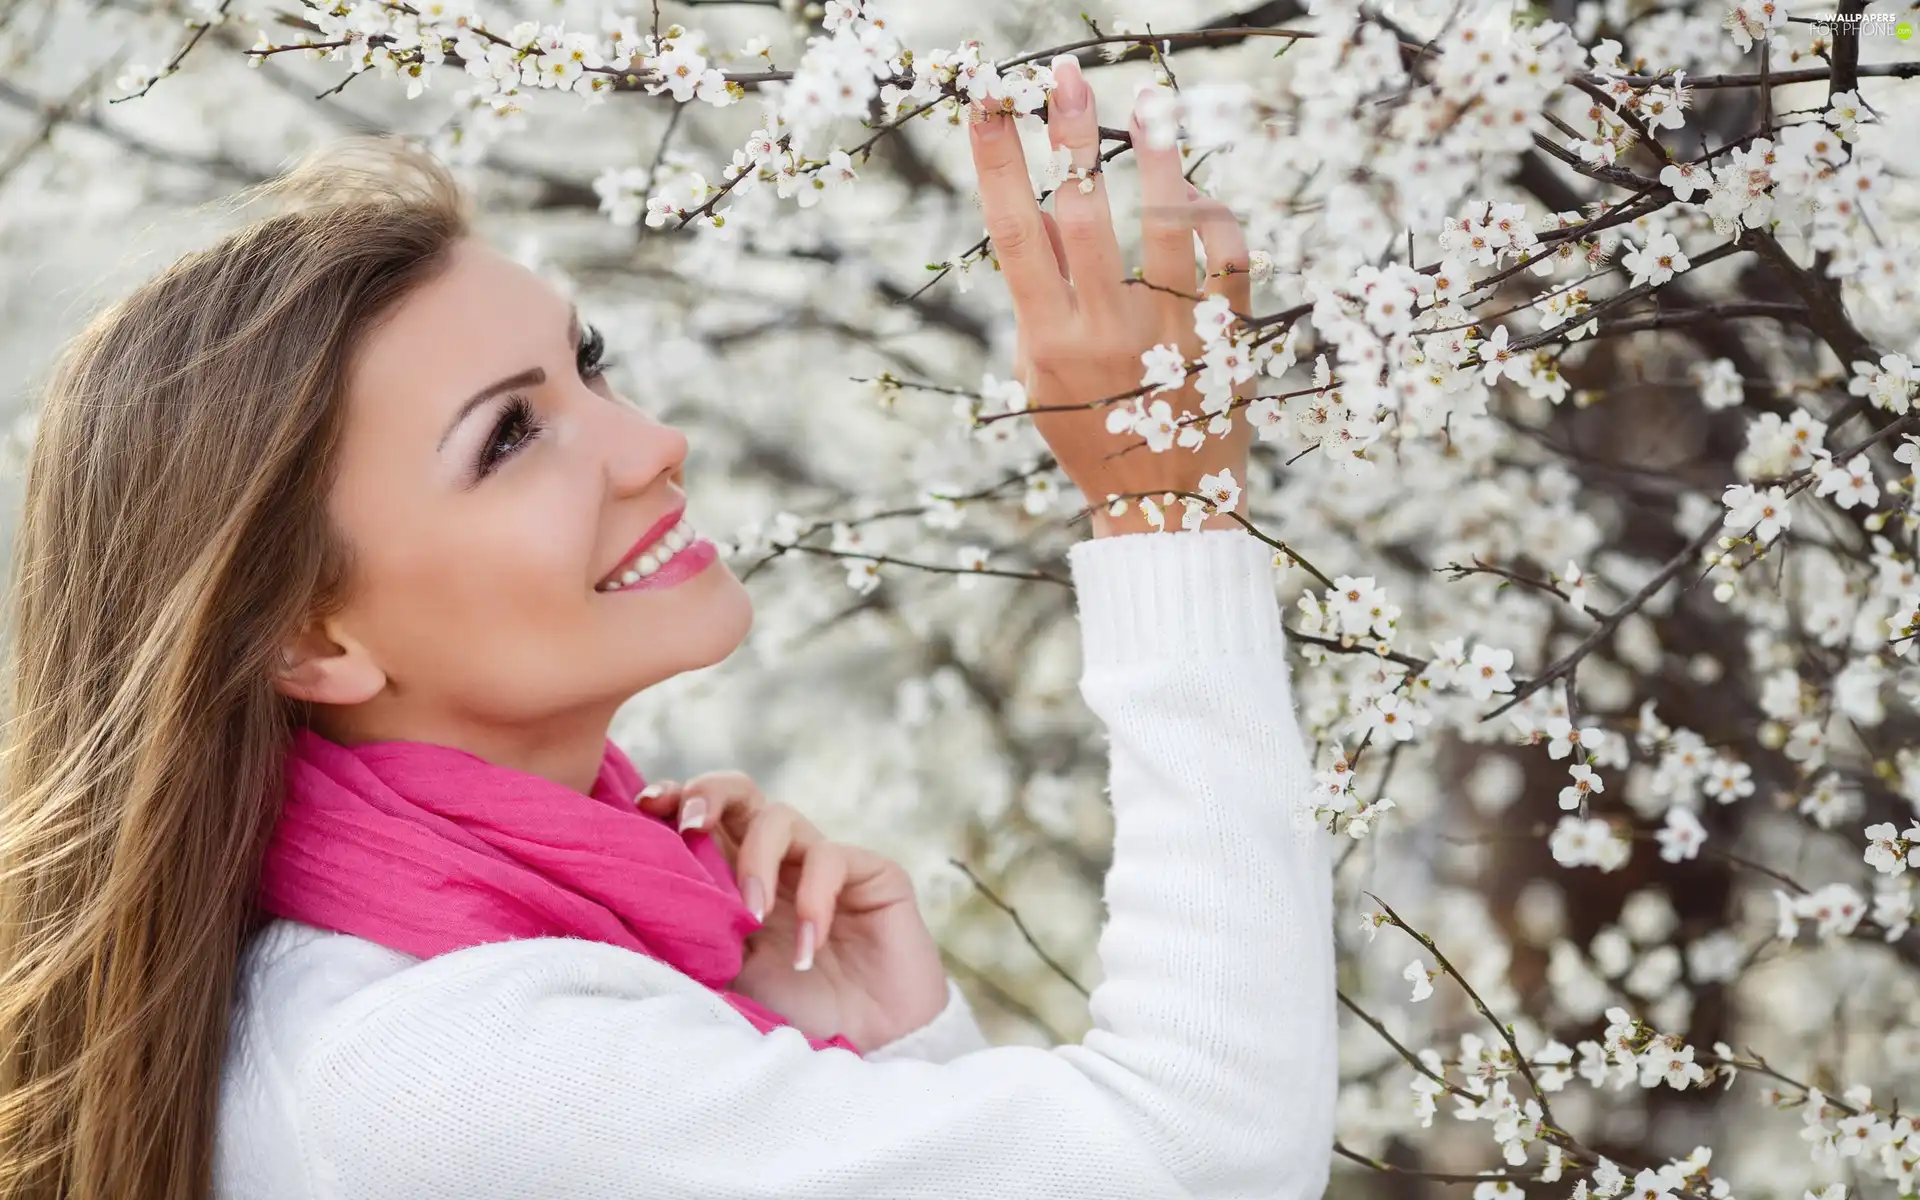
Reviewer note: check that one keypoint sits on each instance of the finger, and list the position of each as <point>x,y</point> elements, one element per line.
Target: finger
<point>1093,255</point>
<point>668,801</point>
<point>873,881</point>
<point>1013,220</point>
<point>1059,250</point>
<point>718,796</point>
<point>1166,216</point>
<point>729,846</point>
<point>661,798</point>
<point>1228,263</point>
<point>816,897</point>
<point>767,843</point>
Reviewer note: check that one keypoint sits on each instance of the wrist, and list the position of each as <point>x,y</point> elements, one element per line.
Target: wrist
<point>1134,521</point>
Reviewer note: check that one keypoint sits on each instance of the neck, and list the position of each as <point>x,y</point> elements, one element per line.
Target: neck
<point>565,751</point>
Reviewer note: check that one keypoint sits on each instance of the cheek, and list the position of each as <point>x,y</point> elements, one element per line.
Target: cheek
<point>498,579</point>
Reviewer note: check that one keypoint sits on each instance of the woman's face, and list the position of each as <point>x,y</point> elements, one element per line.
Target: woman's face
<point>490,481</point>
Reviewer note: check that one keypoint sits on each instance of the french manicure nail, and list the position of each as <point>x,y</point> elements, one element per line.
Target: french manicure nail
<point>1070,91</point>
<point>805,961</point>
<point>1134,123</point>
<point>693,813</point>
<point>756,898</point>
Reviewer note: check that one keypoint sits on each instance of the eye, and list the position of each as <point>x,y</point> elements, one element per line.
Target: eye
<point>517,416</point>
<point>591,358</point>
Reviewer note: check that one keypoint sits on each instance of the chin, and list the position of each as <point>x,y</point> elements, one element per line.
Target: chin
<point>718,626</point>
<point>696,625</point>
<point>737,616</point>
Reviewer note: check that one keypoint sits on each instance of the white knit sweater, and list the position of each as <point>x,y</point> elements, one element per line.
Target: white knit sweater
<point>562,1068</point>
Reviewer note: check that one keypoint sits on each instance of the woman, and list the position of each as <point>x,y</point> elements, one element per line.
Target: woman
<point>322,879</point>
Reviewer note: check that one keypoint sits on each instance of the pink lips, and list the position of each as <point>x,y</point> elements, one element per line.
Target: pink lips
<point>693,558</point>
<point>658,530</point>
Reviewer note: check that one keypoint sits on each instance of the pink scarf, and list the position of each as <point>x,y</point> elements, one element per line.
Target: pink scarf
<point>427,849</point>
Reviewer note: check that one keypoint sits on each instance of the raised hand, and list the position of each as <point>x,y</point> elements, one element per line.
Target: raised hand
<point>842,947</point>
<point>1082,327</point>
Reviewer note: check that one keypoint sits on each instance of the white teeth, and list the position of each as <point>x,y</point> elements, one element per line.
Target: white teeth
<point>678,538</point>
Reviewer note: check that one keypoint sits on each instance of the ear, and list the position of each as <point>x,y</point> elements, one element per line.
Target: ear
<point>325,665</point>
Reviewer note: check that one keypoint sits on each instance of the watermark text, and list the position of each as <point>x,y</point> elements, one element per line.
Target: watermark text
<point>1866,25</point>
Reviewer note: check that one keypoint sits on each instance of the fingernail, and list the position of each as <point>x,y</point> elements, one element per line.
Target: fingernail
<point>1134,124</point>
<point>1070,91</point>
<point>653,791</point>
<point>1193,193</point>
<point>756,898</point>
<point>692,813</point>
<point>805,961</point>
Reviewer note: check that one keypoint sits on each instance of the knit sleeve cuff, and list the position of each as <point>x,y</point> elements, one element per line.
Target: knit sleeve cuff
<point>948,1036</point>
<point>1175,593</point>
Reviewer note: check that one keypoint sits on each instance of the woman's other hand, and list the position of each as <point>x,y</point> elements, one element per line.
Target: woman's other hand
<point>842,947</point>
<point>1082,327</point>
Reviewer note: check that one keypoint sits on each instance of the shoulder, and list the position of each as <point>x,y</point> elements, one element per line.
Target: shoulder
<point>303,995</point>
<point>301,989</point>
<point>291,979</point>
<point>292,975</point>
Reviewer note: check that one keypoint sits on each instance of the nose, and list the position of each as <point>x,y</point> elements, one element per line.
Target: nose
<point>642,451</point>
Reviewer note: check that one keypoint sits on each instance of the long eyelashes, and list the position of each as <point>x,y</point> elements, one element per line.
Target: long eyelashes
<point>517,414</point>
<point>591,359</point>
<point>591,362</point>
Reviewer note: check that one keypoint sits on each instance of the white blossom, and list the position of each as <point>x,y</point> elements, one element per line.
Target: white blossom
<point>1486,673</point>
<point>1682,836</point>
<point>1418,974</point>
<point>1763,514</point>
<point>1585,783</point>
<point>1892,853</point>
<point>1656,262</point>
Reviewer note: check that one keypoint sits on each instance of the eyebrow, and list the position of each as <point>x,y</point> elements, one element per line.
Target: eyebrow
<point>531,377</point>
<point>528,378</point>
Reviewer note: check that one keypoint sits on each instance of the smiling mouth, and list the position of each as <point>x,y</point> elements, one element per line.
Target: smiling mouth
<point>652,560</point>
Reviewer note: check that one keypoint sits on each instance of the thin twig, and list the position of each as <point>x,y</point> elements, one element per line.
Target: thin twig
<point>1506,1031</point>
<point>1020,925</point>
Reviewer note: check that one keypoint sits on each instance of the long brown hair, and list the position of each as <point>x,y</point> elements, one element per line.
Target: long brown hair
<point>174,533</point>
